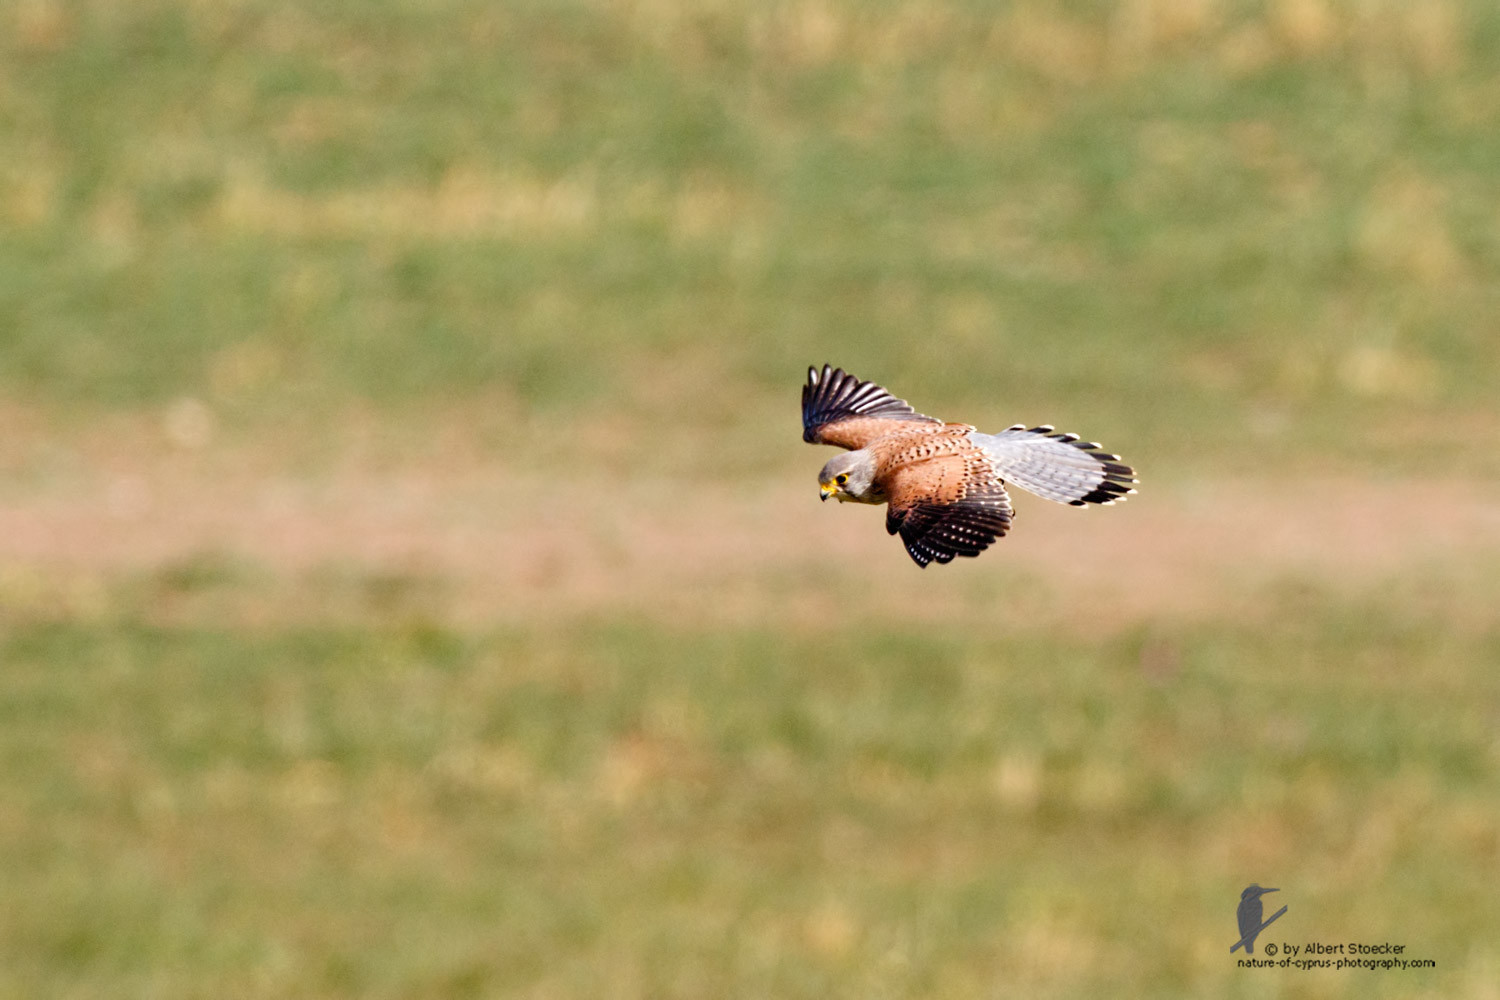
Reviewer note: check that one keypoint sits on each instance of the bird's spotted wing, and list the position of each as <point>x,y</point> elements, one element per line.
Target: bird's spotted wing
<point>839,409</point>
<point>946,507</point>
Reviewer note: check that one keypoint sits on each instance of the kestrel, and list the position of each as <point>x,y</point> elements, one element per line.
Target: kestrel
<point>945,483</point>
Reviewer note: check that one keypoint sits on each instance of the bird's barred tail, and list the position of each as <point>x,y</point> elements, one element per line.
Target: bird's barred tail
<point>1056,466</point>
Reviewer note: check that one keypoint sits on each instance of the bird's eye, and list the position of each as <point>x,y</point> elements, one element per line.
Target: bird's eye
<point>841,479</point>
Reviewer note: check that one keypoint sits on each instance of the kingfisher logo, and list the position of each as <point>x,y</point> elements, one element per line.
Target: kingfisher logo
<point>1310,953</point>
<point>1249,916</point>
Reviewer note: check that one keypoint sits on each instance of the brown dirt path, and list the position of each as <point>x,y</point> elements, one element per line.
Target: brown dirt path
<point>502,545</point>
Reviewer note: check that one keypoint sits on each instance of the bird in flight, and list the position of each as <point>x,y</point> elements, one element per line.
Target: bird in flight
<point>944,483</point>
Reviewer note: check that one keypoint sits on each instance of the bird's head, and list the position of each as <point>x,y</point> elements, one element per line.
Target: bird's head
<point>849,477</point>
<point>1255,892</point>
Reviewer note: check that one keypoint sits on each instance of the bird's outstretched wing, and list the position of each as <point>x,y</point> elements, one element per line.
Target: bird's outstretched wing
<point>839,409</point>
<point>949,506</point>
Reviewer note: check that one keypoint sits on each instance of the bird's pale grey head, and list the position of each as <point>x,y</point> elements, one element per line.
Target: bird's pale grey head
<point>850,477</point>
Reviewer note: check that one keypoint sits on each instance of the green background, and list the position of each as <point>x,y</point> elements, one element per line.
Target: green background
<point>411,586</point>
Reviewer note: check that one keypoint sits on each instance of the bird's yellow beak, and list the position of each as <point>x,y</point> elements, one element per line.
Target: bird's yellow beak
<point>826,490</point>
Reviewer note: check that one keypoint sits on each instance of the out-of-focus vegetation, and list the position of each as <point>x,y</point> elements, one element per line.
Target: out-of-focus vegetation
<point>317,320</point>
<point>1275,215</point>
<point>647,811</point>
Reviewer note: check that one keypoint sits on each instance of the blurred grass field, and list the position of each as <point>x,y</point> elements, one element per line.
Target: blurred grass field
<point>410,580</point>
